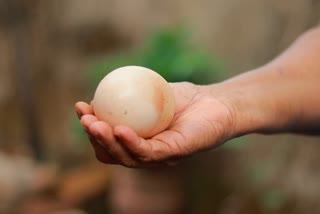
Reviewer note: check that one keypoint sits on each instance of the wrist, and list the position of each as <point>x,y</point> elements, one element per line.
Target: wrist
<point>245,118</point>
<point>254,105</point>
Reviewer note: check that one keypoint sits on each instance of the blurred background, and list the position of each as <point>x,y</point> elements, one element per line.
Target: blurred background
<point>54,53</point>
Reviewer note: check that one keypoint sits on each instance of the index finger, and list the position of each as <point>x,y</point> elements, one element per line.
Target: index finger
<point>83,108</point>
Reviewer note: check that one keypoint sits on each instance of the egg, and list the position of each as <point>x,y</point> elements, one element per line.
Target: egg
<point>136,97</point>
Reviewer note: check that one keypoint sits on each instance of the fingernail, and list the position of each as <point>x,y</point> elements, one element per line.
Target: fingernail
<point>86,130</point>
<point>117,138</point>
<point>98,141</point>
<point>91,138</point>
<point>78,114</point>
<point>101,143</point>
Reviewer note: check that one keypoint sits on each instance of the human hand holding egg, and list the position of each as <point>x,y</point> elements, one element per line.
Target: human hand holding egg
<point>137,120</point>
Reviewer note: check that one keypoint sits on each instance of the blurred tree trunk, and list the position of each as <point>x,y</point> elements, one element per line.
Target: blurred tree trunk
<point>16,17</point>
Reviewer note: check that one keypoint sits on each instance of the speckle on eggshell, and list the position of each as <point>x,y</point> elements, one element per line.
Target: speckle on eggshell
<point>136,97</point>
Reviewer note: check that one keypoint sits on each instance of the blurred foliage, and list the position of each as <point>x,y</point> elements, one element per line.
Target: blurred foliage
<point>273,199</point>
<point>236,143</point>
<point>169,52</point>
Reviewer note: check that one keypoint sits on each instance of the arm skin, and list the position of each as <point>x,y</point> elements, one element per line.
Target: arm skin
<point>281,96</point>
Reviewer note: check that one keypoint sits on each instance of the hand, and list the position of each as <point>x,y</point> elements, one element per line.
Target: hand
<point>201,122</point>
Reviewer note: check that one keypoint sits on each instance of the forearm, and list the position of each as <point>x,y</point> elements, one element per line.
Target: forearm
<point>282,96</point>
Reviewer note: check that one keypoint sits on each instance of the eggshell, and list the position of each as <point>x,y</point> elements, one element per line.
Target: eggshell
<point>136,97</point>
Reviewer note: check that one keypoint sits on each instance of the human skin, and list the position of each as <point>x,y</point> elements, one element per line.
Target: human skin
<point>281,96</point>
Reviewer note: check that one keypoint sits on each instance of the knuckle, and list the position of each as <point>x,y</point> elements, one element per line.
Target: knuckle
<point>156,154</point>
<point>129,164</point>
<point>99,158</point>
<point>103,159</point>
<point>145,159</point>
<point>171,163</point>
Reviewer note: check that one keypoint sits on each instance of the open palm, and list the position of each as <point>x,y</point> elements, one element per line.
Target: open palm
<point>200,122</point>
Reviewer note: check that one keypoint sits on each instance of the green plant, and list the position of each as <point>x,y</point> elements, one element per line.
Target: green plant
<point>169,52</point>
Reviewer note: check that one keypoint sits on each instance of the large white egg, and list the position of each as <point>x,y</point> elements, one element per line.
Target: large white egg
<point>136,97</point>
